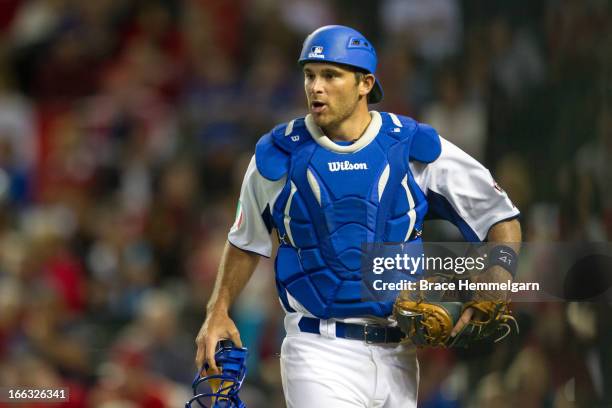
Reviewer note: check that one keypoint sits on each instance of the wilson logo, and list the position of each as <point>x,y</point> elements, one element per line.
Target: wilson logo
<point>346,165</point>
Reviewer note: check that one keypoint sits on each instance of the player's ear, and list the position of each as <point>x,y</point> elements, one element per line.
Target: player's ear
<point>366,84</point>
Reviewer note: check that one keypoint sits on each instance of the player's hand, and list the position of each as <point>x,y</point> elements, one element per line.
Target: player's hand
<point>465,318</point>
<point>493,274</point>
<point>217,326</point>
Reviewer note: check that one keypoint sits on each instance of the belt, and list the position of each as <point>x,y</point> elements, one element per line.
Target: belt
<point>368,333</point>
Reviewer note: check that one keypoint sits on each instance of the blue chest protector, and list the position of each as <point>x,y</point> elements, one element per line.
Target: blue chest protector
<point>334,202</point>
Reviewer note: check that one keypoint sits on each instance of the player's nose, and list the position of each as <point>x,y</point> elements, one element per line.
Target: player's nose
<point>316,86</point>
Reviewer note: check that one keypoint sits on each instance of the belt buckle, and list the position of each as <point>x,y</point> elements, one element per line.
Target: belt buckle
<point>366,332</point>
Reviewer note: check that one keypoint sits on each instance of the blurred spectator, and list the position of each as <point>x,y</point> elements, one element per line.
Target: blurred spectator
<point>18,145</point>
<point>213,82</point>
<point>594,200</point>
<point>434,27</point>
<point>459,120</point>
<point>512,174</point>
<point>409,86</point>
<point>305,16</point>
<point>269,92</point>
<point>517,63</point>
<point>435,378</point>
<point>491,392</point>
<point>161,341</point>
<point>34,21</point>
<point>52,334</point>
<point>528,379</point>
<point>69,69</point>
<point>126,381</point>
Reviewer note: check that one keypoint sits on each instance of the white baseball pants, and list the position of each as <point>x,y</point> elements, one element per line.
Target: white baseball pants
<point>325,371</point>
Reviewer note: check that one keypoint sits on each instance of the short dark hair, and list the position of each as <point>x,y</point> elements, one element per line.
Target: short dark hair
<point>359,74</point>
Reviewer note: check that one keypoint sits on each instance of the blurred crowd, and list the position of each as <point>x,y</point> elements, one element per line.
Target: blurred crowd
<point>125,129</point>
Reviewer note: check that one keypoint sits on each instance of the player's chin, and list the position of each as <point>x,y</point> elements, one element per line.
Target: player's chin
<point>320,119</point>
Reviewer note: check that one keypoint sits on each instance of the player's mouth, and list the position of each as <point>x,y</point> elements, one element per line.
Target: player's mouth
<point>318,107</point>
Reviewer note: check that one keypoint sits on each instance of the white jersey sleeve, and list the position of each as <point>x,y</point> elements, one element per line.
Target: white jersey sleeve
<point>461,190</point>
<point>253,224</point>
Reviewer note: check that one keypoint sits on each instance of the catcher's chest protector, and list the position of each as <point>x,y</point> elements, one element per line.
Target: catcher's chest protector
<point>331,204</point>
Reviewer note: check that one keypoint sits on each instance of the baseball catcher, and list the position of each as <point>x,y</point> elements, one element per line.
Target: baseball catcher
<point>327,183</point>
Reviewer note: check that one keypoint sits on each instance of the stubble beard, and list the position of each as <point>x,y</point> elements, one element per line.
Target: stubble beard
<point>335,120</point>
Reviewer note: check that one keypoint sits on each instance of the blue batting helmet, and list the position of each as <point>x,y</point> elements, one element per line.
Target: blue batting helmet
<point>342,45</point>
<point>224,387</point>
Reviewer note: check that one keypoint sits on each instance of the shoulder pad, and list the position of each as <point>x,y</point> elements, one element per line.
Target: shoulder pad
<point>424,141</point>
<point>271,161</point>
<point>273,150</point>
<point>399,127</point>
<point>426,146</point>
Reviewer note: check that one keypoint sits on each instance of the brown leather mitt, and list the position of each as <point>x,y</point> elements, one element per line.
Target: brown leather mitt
<point>431,323</point>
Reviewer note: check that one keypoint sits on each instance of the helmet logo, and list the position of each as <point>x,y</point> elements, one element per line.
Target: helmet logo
<point>316,52</point>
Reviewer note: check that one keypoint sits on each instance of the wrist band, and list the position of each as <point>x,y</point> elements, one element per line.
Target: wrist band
<point>505,257</point>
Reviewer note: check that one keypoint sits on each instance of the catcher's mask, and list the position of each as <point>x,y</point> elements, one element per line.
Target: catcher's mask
<point>221,389</point>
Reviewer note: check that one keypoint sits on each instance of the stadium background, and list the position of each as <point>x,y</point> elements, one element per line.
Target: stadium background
<point>125,128</point>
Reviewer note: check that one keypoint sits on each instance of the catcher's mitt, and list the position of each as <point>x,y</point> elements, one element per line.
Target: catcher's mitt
<point>431,323</point>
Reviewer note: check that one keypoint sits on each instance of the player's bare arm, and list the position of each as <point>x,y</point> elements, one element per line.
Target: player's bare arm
<point>235,270</point>
<point>506,233</point>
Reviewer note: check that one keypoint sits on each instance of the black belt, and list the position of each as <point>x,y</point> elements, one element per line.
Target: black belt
<point>366,332</point>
